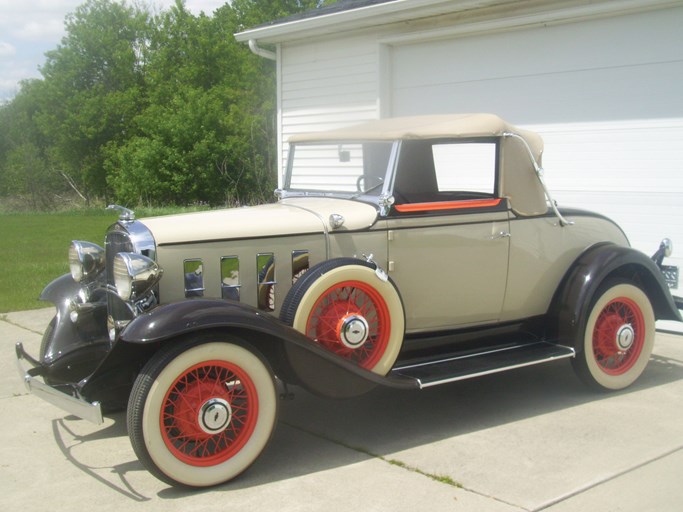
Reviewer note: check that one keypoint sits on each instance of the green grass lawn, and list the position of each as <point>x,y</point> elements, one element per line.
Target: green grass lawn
<point>34,248</point>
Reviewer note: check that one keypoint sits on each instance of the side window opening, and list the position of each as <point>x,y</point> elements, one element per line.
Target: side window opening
<point>465,167</point>
<point>446,175</point>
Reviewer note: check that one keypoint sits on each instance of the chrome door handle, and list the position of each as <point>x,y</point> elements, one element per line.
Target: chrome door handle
<point>502,234</point>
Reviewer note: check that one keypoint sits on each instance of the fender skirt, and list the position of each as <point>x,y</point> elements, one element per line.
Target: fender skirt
<point>570,305</point>
<point>263,331</point>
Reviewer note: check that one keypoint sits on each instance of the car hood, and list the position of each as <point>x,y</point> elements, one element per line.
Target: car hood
<point>296,215</point>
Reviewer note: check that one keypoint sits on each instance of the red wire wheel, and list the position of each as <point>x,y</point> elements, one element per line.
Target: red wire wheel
<point>209,413</point>
<point>352,320</point>
<point>202,410</point>
<point>618,336</point>
<point>352,309</point>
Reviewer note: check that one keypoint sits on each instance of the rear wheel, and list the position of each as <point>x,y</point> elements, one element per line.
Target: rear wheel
<point>618,338</point>
<point>202,411</point>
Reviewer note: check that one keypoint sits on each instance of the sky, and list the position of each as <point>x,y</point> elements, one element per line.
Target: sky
<point>29,28</point>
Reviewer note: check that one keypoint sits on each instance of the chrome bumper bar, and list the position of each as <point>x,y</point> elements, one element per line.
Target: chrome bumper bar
<point>83,409</point>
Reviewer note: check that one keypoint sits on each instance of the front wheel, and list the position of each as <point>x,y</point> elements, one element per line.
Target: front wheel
<point>201,412</point>
<point>618,339</point>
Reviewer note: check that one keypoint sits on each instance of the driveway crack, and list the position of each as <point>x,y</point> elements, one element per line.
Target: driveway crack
<point>597,483</point>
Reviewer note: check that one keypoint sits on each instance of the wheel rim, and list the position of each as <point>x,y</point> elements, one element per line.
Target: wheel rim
<point>209,413</point>
<point>351,319</point>
<point>618,336</point>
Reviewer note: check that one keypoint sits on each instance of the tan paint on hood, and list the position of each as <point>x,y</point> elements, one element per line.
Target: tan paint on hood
<point>295,215</point>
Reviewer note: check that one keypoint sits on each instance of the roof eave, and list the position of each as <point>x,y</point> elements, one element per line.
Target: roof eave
<point>405,10</point>
<point>390,12</point>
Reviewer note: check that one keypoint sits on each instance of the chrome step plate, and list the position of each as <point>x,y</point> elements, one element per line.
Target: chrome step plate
<point>452,369</point>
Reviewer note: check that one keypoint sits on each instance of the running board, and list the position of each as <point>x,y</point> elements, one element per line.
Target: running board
<point>467,366</point>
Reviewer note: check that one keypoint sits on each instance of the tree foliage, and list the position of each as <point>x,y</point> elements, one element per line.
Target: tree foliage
<point>144,108</point>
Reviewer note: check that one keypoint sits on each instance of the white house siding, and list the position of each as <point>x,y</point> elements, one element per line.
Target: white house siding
<point>604,93</point>
<point>327,84</point>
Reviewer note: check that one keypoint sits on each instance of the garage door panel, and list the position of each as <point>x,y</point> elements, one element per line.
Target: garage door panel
<point>607,43</point>
<point>594,70</point>
<point>636,92</point>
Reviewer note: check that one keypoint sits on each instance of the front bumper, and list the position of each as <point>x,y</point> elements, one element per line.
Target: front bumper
<point>71,403</point>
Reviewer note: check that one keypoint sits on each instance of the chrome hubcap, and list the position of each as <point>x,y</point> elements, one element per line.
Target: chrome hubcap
<point>625,337</point>
<point>215,416</point>
<point>354,331</point>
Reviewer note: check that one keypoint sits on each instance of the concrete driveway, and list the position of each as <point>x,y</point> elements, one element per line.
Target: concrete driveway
<point>531,439</point>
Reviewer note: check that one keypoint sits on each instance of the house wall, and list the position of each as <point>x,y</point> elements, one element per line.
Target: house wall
<point>603,91</point>
<point>327,84</point>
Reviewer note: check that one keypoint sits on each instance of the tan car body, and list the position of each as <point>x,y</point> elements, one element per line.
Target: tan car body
<point>452,269</point>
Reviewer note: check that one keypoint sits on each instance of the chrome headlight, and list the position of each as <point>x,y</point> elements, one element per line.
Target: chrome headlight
<point>134,275</point>
<point>86,261</point>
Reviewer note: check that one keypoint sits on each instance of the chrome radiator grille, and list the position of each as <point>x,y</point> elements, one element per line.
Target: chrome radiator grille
<point>125,236</point>
<point>116,242</point>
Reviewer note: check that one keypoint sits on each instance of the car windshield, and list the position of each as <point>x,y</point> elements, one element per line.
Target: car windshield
<point>352,168</point>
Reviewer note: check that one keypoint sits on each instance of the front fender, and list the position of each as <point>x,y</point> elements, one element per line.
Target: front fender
<point>63,336</point>
<point>64,287</point>
<point>73,346</point>
<point>265,332</point>
<point>188,316</point>
<point>573,299</point>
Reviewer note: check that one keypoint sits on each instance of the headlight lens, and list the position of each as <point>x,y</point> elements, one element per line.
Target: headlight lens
<point>86,261</point>
<point>134,275</point>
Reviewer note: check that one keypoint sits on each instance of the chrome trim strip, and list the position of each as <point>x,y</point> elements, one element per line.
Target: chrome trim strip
<point>326,231</point>
<point>421,385</point>
<point>86,410</point>
<point>456,358</point>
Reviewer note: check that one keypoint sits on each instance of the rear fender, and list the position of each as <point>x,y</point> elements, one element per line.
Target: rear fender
<point>572,301</point>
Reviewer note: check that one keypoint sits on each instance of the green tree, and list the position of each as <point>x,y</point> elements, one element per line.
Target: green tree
<point>24,167</point>
<point>208,133</point>
<point>93,85</point>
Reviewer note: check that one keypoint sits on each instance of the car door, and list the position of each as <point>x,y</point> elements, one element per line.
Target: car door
<point>448,234</point>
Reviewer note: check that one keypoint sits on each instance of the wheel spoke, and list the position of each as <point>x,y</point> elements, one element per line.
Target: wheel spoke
<point>341,302</point>
<point>619,314</point>
<point>181,415</point>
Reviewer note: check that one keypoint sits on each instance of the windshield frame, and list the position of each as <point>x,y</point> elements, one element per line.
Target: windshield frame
<point>372,194</point>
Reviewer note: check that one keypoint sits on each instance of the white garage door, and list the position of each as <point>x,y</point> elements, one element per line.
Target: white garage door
<point>606,94</point>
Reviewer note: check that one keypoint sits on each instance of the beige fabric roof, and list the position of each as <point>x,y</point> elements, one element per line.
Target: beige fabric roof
<point>426,127</point>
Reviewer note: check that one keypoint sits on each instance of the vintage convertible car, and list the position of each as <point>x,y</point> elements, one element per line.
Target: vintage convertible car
<point>404,252</point>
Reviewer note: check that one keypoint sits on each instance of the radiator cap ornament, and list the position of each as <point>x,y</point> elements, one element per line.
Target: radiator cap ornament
<point>125,214</point>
